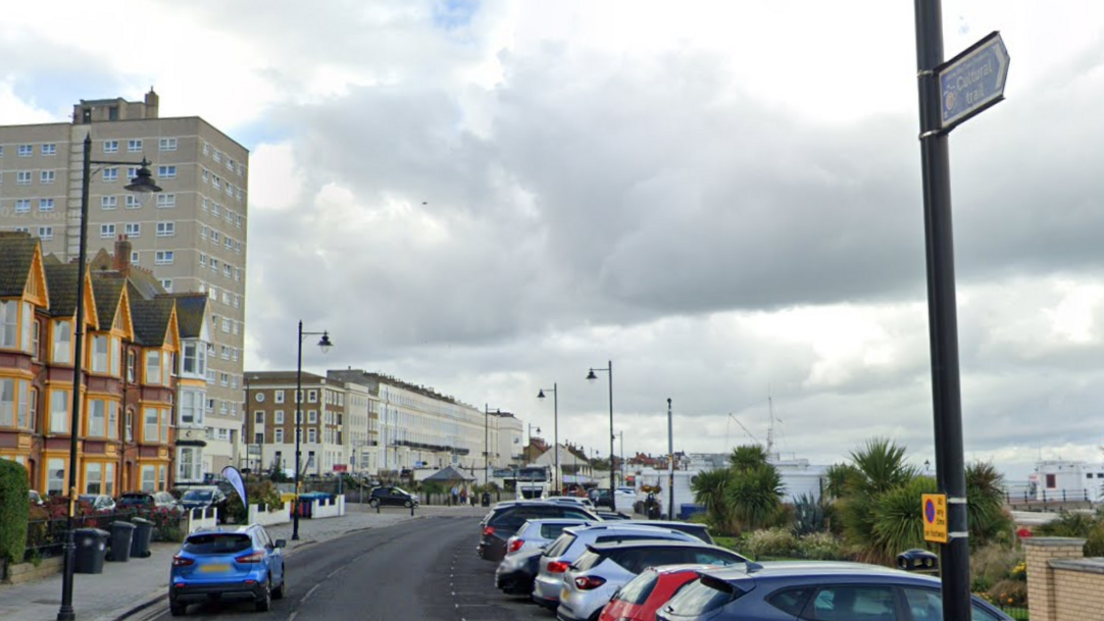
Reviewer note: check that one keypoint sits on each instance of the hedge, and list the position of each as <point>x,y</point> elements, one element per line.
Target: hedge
<point>14,508</point>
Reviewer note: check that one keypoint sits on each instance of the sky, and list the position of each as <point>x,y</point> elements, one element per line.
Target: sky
<point>723,200</point>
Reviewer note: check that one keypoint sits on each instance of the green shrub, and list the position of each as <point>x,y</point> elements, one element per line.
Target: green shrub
<point>773,542</point>
<point>992,564</point>
<point>14,508</point>
<point>1009,593</point>
<point>820,547</point>
<point>259,492</point>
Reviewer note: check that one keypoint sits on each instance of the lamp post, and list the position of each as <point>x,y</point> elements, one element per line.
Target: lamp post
<point>142,184</point>
<point>487,443</point>
<point>324,344</point>
<point>555,431</point>
<point>591,377</point>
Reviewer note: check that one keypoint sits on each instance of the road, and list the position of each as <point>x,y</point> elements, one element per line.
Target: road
<point>424,569</point>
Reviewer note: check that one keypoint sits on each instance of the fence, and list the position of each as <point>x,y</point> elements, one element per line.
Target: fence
<point>202,517</point>
<point>1016,612</point>
<point>267,516</point>
<point>46,538</point>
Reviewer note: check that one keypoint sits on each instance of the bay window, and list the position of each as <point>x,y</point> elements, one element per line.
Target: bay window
<point>109,479</point>
<point>63,341</point>
<point>153,367</point>
<point>191,408</point>
<point>164,427</point>
<point>55,477</point>
<point>150,432</point>
<point>112,420</point>
<point>149,479</point>
<point>97,418</point>
<point>27,343</point>
<point>7,402</point>
<point>59,411</point>
<point>100,344</point>
<point>93,478</point>
<point>195,359</point>
<point>9,323</point>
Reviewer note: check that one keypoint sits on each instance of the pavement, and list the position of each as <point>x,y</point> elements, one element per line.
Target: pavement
<point>124,590</point>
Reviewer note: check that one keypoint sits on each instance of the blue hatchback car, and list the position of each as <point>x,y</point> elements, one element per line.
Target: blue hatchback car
<point>236,562</point>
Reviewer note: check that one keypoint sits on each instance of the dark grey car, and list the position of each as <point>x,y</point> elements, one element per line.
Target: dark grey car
<point>784,591</point>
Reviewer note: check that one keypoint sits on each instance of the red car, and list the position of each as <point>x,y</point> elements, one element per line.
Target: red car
<point>642,596</point>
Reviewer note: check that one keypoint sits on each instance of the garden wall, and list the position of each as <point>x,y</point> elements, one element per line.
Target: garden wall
<point>1062,585</point>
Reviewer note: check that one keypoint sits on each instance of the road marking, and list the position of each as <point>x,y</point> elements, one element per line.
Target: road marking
<point>309,593</point>
<point>292,616</point>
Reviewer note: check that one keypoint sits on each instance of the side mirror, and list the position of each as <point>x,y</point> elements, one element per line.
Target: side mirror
<point>281,543</point>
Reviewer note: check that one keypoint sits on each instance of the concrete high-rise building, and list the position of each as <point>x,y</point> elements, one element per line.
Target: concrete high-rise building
<point>192,234</point>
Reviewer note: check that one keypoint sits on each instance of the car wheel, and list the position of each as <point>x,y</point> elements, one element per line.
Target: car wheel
<point>408,504</point>
<point>373,503</point>
<point>264,602</point>
<point>278,592</point>
<point>178,610</point>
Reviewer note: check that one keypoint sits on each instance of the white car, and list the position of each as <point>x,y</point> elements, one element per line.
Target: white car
<point>605,567</point>
<point>537,533</point>
<point>572,543</point>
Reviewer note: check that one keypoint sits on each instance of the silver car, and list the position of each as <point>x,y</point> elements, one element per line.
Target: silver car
<point>605,567</point>
<point>572,543</point>
<point>538,533</point>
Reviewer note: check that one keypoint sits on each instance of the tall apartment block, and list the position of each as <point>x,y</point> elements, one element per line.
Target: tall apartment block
<point>192,235</point>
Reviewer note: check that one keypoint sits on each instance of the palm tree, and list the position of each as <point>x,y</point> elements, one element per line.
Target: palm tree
<point>709,488</point>
<point>986,516</point>
<point>747,457</point>
<point>898,520</point>
<point>755,495</point>
<point>878,467</point>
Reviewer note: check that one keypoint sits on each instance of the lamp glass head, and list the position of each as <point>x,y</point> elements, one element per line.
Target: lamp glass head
<point>591,377</point>
<point>324,343</point>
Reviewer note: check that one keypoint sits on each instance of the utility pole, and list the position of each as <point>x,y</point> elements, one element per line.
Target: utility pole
<point>670,463</point>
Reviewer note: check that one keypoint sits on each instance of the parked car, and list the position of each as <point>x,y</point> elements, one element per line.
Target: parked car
<point>515,574</point>
<point>35,498</point>
<point>643,595</point>
<point>203,497</point>
<point>148,500</point>
<point>503,521</point>
<point>701,531</point>
<point>539,533</point>
<point>227,563</point>
<point>99,502</point>
<point>393,496</point>
<point>605,567</point>
<point>575,500</point>
<point>608,515</point>
<point>777,591</point>
<point>559,556</point>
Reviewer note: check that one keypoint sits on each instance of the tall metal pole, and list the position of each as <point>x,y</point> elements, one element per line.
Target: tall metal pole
<point>943,323</point>
<point>670,463</point>
<point>556,429</point>
<point>486,444</point>
<point>298,431</point>
<point>65,612</point>
<point>613,482</point>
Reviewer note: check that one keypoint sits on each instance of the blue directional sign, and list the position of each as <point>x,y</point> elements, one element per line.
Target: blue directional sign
<point>973,80</point>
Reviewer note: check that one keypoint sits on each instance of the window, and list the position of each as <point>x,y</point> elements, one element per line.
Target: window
<point>218,155</point>
<point>63,331</point>
<point>206,175</point>
<point>312,416</point>
<point>110,175</point>
<point>97,418</point>
<point>23,205</point>
<point>149,479</point>
<point>166,200</point>
<point>134,146</point>
<point>167,144</point>
<point>107,231</point>
<point>312,396</point>
<point>150,431</point>
<point>191,407</point>
<point>215,181</point>
<point>153,367</point>
<point>7,402</point>
<point>55,477</point>
<point>202,260</point>
<point>59,411</point>
<point>46,232</point>
<point>224,379</point>
<point>9,323</point>
<point>216,209</point>
<point>132,202</point>
<point>214,266</point>
<point>228,242</point>
<point>166,172</point>
<point>225,352</point>
<point>279,435</point>
<point>23,177</point>
<point>111,146</point>
<point>49,149</point>
<point>45,204</point>
<point>206,147</point>
<point>166,229</point>
<point>132,172</point>
<point>927,605</point>
<point>167,284</point>
<point>26,150</point>
<point>278,397</point>
<point>134,256</point>
<point>215,236</point>
<point>112,420</point>
<point>312,436</point>
<point>99,353</point>
<point>164,257</point>
<point>854,602</point>
<point>109,202</point>
<point>279,420</point>
<point>47,177</point>
<point>93,478</point>
<point>133,229</point>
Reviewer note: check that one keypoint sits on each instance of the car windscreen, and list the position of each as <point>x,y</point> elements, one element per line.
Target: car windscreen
<point>551,531</point>
<point>198,494</point>
<point>560,545</point>
<point>400,492</point>
<point>217,543</point>
<point>701,596</point>
<point>587,560</point>
<point>136,500</point>
<point>639,588</point>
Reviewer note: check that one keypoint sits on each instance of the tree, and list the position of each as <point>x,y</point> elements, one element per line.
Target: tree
<point>709,487</point>
<point>747,457</point>
<point>755,495</point>
<point>877,468</point>
<point>986,516</point>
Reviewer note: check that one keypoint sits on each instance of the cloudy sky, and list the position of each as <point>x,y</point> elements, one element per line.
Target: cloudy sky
<point>723,198</point>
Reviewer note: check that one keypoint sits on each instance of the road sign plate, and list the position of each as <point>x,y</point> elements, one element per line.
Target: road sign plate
<point>935,517</point>
<point>973,80</point>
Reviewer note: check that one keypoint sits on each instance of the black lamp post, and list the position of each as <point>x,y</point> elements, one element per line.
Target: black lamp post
<point>555,431</point>
<point>142,183</point>
<point>591,377</point>
<point>324,344</point>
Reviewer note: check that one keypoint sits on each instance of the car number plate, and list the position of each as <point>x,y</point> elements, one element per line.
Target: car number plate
<point>214,567</point>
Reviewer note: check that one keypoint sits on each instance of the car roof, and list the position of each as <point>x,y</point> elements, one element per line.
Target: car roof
<point>680,568</point>
<point>559,520</point>
<point>230,529</point>
<point>652,543</point>
<point>618,525</point>
<point>813,571</point>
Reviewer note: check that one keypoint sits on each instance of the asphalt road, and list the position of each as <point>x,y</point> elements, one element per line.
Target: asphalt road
<point>424,569</point>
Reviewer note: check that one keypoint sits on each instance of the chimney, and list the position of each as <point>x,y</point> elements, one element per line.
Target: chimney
<point>153,104</point>
<point>121,261</point>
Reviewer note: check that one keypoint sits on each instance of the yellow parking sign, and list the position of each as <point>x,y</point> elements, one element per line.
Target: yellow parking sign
<point>935,517</point>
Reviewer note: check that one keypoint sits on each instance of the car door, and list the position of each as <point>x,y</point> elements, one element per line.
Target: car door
<point>273,554</point>
<point>927,605</point>
<point>853,602</point>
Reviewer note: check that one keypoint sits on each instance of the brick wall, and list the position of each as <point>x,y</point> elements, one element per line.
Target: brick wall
<point>1062,585</point>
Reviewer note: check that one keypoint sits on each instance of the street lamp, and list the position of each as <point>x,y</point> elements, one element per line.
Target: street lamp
<point>487,443</point>
<point>141,184</point>
<point>324,344</point>
<point>591,377</point>
<point>555,431</point>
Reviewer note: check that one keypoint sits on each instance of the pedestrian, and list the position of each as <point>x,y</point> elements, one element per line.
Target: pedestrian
<point>463,496</point>
<point>455,497</point>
